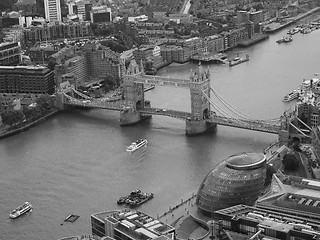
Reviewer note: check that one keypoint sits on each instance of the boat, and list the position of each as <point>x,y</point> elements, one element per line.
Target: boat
<point>122,200</point>
<point>285,39</point>
<point>237,60</point>
<point>294,31</point>
<point>135,198</point>
<point>291,96</point>
<point>20,210</point>
<point>136,145</point>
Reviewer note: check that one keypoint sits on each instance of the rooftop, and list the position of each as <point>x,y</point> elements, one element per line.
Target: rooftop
<point>246,160</point>
<point>132,221</point>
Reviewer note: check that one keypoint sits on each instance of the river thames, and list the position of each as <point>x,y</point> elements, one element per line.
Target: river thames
<point>76,163</point>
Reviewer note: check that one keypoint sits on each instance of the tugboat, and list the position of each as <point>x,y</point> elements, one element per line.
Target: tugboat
<point>20,210</point>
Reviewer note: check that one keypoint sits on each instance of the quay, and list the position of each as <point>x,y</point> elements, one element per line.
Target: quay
<point>178,212</point>
<point>249,42</point>
<point>7,132</point>
<point>276,26</point>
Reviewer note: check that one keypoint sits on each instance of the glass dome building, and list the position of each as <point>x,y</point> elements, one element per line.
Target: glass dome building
<point>236,180</point>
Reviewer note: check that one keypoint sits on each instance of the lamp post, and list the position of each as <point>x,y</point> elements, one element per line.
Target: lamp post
<point>211,223</point>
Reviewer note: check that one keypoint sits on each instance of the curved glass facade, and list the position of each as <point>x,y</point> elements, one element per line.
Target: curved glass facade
<point>236,180</point>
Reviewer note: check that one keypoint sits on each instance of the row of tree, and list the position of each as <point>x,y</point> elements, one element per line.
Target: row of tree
<point>42,105</point>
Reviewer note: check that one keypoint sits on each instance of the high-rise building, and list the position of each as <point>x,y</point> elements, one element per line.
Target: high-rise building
<point>100,14</point>
<point>52,10</point>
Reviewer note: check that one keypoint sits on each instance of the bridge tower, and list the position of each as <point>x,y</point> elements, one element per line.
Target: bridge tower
<point>200,106</point>
<point>134,95</point>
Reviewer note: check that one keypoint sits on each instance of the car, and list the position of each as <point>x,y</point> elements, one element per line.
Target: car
<point>165,110</point>
<point>158,110</point>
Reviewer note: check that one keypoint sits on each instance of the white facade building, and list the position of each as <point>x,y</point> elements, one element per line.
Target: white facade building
<point>52,10</point>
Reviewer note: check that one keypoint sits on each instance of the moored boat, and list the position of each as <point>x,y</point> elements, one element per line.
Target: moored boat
<point>20,210</point>
<point>285,39</point>
<point>136,145</point>
<point>291,96</point>
<point>237,60</point>
<point>135,198</point>
<point>294,31</point>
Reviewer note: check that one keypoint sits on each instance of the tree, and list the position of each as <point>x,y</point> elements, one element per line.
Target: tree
<point>290,162</point>
<point>6,4</point>
<point>12,117</point>
<point>27,112</point>
<point>110,81</point>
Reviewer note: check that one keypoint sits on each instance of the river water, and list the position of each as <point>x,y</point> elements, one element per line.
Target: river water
<point>76,163</point>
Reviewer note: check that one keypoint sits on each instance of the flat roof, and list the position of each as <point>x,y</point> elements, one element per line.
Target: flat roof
<point>308,193</point>
<point>105,214</point>
<point>146,232</point>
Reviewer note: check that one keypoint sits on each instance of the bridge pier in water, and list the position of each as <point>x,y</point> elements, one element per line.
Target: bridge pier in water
<point>129,116</point>
<point>60,101</point>
<point>197,127</point>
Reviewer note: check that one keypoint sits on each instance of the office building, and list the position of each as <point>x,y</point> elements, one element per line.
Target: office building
<point>26,79</point>
<point>273,223</point>
<point>129,225</point>
<point>102,61</point>
<point>52,10</point>
<point>236,180</point>
<point>100,14</point>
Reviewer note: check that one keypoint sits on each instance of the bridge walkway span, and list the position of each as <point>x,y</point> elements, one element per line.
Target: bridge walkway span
<point>170,113</point>
<point>162,81</point>
<point>246,124</point>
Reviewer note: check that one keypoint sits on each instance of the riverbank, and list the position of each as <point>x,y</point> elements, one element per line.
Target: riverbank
<point>249,42</point>
<point>6,132</point>
<point>276,26</point>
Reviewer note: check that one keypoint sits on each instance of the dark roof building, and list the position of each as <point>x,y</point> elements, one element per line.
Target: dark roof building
<point>236,180</point>
<point>26,79</point>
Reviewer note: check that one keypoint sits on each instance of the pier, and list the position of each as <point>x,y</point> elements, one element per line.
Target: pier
<point>208,57</point>
<point>238,60</point>
<point>146,89</point>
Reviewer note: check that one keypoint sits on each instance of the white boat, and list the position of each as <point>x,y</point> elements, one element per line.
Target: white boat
<point>20,210</point>
<point>136,145</point>
<point>294,31</point>
<point>291,96</point>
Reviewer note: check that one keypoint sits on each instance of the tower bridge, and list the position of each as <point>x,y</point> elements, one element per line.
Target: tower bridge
<point>205,113</point>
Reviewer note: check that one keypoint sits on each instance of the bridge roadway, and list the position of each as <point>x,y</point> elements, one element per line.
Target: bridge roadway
<point>162,81</point>
<point>111,105</point>
<point>254,125</point>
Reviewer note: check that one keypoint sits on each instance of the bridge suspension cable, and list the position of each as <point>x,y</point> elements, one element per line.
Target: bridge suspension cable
<point>298,130</point>
<point>238,113</point>
<point>220,110</point>
<point>81,94</point>
<point>230,107</point>
<point>69,97</point>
